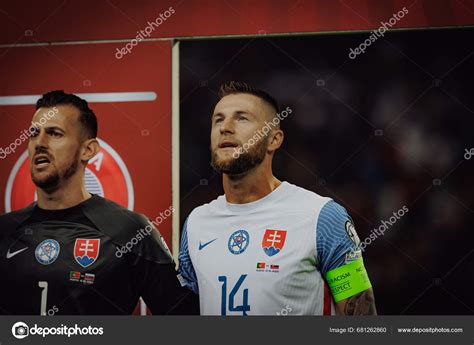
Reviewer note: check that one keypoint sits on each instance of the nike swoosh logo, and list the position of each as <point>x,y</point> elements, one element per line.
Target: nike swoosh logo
<point>10,255</point>
<point>201,245</point>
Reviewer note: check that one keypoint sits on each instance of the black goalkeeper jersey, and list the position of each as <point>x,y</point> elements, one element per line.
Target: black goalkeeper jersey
<point>94,258</point>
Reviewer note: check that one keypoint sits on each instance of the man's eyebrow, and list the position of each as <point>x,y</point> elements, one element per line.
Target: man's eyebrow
<point>53,128</point>
<point>237,112</point>
<point>240,112</point>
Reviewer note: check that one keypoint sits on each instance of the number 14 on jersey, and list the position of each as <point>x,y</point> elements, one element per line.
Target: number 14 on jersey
<point>245,307</point>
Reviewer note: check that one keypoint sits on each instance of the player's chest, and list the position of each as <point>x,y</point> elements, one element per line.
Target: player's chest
<point>66,255</point>
<point>268,245</point>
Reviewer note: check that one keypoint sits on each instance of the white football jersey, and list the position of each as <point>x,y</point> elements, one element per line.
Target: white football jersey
<point>262,258</point>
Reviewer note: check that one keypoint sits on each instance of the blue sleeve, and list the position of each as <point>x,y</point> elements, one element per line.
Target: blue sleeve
<point>336,240</point>
<point>186,268</point>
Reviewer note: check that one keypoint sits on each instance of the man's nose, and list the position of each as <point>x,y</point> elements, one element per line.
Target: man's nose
<point>41,142</point>
<point>227,126</point>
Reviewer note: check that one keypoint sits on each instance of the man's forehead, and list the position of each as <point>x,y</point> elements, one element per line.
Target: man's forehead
<point>238,102</point>
<point>63,114</point>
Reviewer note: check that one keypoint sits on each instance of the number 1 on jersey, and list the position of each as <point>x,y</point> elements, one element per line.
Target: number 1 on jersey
<point>245,307</point>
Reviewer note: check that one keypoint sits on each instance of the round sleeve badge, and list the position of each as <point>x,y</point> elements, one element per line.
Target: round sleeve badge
<point>351,232</point>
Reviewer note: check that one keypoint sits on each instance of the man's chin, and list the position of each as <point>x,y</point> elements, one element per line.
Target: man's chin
<point>226,161</point>
<point>222,162</point>
<point>230,167</point>
<point>48,182</point>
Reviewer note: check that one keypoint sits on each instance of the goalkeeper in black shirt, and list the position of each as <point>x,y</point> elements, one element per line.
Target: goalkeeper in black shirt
<point>76,253</point>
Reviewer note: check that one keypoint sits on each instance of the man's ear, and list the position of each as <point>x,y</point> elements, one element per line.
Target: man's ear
<point>275,140</point>
<point>90,148</point>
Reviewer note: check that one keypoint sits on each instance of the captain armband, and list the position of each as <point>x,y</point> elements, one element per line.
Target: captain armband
<point>348,280</point>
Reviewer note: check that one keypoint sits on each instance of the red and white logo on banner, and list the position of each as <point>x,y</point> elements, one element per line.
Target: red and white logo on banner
<point>106,175</point>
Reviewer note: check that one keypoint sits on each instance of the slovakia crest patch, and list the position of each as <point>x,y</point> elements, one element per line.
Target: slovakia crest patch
<point>86,251</point>
<point>273,241</point>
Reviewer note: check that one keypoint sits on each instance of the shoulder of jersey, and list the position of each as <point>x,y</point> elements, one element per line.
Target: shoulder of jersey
<point>122,225</point>
<point>11,221</point>
<point>114,220</point>
<point>208,208</point>
<point>203,212</point>
<point>302,198</point>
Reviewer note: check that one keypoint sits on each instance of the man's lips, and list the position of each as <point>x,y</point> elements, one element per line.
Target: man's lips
<point>227,144</point>
<point>41,160</point>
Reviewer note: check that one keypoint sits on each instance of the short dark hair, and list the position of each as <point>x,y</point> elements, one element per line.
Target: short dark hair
<point>86,115</point>
<point>233,87</point>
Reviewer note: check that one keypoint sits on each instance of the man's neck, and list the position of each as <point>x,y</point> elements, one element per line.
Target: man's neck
<point>250,187</point>
<point>61,198</point>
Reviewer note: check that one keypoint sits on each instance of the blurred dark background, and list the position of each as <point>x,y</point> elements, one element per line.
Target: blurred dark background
<point>386,129</point>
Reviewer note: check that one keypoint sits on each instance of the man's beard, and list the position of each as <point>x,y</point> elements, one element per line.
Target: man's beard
<point>245,162</point>
<point>51,181</point>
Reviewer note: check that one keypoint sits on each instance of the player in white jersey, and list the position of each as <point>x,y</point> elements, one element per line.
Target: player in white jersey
<point>268,247</point>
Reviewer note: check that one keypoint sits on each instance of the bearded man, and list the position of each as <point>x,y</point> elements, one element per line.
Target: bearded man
<point>268,247</point>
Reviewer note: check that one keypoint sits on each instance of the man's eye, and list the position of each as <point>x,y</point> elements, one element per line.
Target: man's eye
<point>243,118</point>
<point>56,134</point>
<point>218,120</point>
<point>33,132</point>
